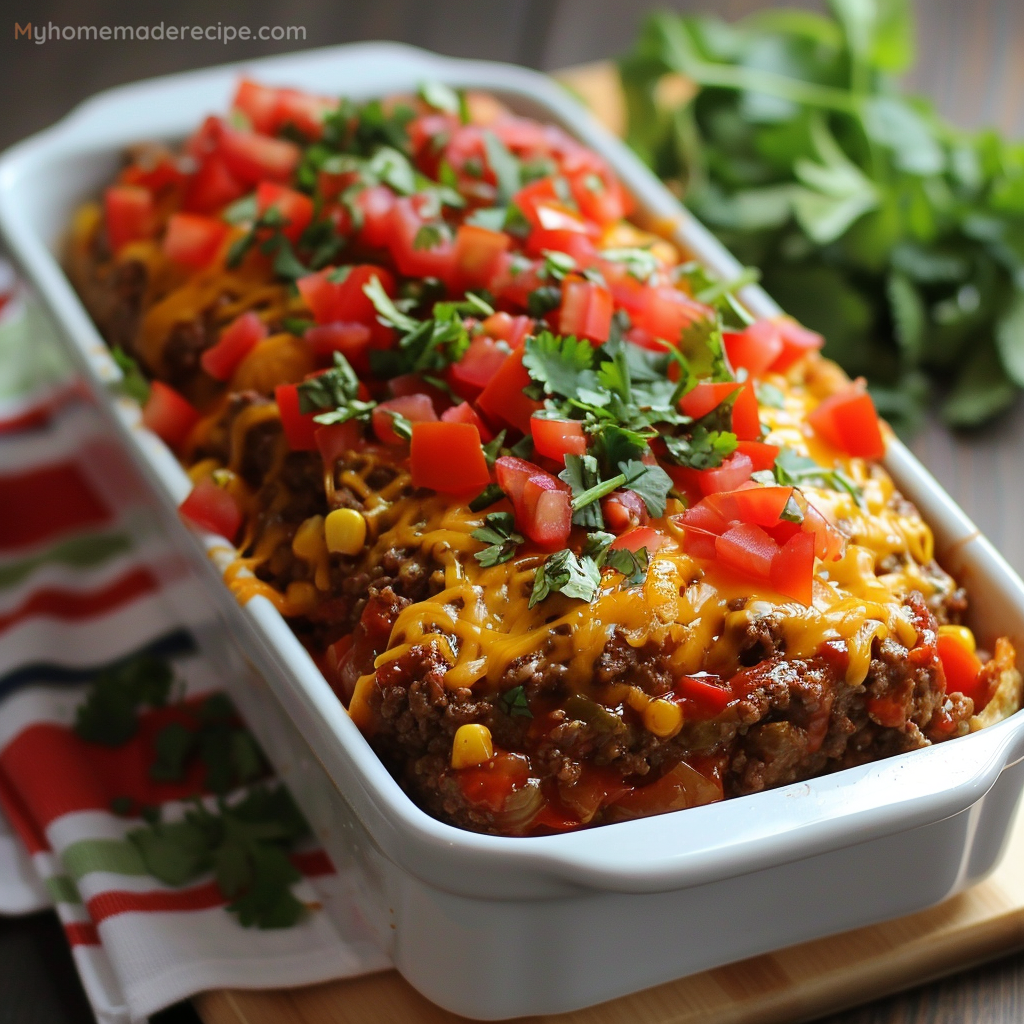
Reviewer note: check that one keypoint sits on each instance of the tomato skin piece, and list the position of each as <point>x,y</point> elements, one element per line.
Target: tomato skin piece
<point>792,569</point>
<point>502,401</point>
<point>299,427</point>
<point>213,509</point>
<point>797,341</point>
<point>476,369</point>
<point>447,457</point>
<point>703,699</point>
<point>375,204</point>
<point>640,537</point>
<point>962,669</point>
<point>295,207</point>
<point>755,348</point>
<point>168,414</point>
<point>236,341</point>
<point>748,549</point>
<point>586,309</point>
<point>415,408</point>
<point>211,188</point>
<point>707,395</point>
<point>465,413</point>
<point>555,439</point>
<point>252,157</point>
<point>129,213</point>
<point>477,251</point>
<point>848,421</point>
<point>194,241</point>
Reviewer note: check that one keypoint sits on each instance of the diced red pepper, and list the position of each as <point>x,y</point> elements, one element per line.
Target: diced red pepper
<point>299,428</point>
<point>586,309</point>
<point>415,408</point>
<point>448,457</point>
<point>703,698</point>
<point>503,401</point>
<point>168,414</point>
<point>130,215</point>
<point>212,508</point>
<point>962,668</point>
<point>295,207</point>
<point>847,420</point>
<point>236,341</point>
<point>194,241</point>
<point>555,439</point>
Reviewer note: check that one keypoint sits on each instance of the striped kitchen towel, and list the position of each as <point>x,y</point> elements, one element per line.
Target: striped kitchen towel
<point>84,585</point>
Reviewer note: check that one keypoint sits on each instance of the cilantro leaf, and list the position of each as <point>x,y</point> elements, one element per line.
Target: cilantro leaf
<point>632,564</point>
<point>567,574</point>
<point>514,703</point>
<point>796,470</point>
<point>702,449</point>
<point>505,167</point>
<point>652,483</point>
<point>500,536</point>
<point>133,382</point>
<point>109,715</point>
<point>583,476</point>
<point>387,312</point>
<point>561,364</point>
<point>491,494</point>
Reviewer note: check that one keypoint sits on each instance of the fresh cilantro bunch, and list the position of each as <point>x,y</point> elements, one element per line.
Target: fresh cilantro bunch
<point>873,221</point>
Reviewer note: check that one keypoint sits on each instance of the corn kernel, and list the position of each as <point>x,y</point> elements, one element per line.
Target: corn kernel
<point>663,718</point>
<point>345,529</point>
<point>472,745</point>
<point>301,597</point>
<point>962,634</point>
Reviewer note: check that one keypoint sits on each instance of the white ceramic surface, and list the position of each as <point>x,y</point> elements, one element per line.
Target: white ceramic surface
<point>496,927</point>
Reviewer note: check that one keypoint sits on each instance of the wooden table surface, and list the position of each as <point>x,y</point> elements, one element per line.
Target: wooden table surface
<point>969,62</point>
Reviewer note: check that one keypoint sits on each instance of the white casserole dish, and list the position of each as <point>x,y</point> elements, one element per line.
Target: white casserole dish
<point>499,927</point>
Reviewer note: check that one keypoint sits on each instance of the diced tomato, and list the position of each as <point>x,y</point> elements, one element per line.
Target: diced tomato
<point>542,502</point>
<point>303,111</point>
<point>586,309</point>
<point>337,295</point>
<point>704,695</point>
<point>755,348</point>
<point>212,508</point>
<point>130,215</point>
<point>428,135</point>
<point>351,339</point>
<point>295,207</point>
<point>415,408</point>
<point>448,457</point>
<point>700,400</point>
<point>253,158</point>
<point>211,188</point>
<point>477,251</point>
<point>557,438</point>
<point>258,103</point>
<point>622,510</point>
<point>335,439</point>
<point>194,241</point>
<point>475,370</point>
<point>848,421</point>
<point>465,413</point>
<point>640,537</point>
<point>735,470</point>
<point>505,327</point>
<point>829,543</point>
<point>236,341</point>
<point>414,384</point>
<point>375,205</point>
<point>792,571</point>
<point>747,549</point>
<point>761,506</point>
<point>503,401</point>
<point>962,668</point>
<point>422,259</point>
<point>170,416</point>
<point>574,243</point>
<point>661,310</point>
<point>598,195</point>
<point>797,341</point>
<point>156,177</point>
<point>299,427</point>
<point>205,139</point>
<point>762,455</point>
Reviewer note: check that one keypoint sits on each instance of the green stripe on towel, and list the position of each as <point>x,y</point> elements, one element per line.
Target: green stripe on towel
<point>76,552</point>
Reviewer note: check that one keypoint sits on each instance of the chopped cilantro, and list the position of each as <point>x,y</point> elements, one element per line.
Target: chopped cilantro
<point>632,564</point>
<point>491,494</point>
<point>335,394</point>
<point>504,166</point>
<point>110,714</point>
<point>567,574</point>
<point>652,483</point>
<point>500,536</point>
<point>430,236</point>
<point>702,449</point>
<point>543,300</point>
<point>583,476</point>
<point>796,470</point>
<point>133,382</point>
<point>514,703</point>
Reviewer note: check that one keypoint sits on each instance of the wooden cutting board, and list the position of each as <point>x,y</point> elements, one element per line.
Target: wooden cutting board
<point>795,984</point>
